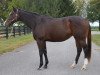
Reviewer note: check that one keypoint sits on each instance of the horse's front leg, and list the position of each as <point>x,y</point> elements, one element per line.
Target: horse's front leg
<point>42,50</point>
<point>46,58</point>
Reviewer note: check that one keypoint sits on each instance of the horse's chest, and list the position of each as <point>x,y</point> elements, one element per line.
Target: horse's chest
<point>39,33</point>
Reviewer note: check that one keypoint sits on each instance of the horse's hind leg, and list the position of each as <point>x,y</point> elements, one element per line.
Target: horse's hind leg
<point>79,49</point>
<point>85,49</point>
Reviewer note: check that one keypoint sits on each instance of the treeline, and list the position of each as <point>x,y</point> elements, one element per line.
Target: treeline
<point>55,8</point>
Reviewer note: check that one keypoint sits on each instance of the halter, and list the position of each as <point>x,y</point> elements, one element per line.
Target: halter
<point>16,17</point>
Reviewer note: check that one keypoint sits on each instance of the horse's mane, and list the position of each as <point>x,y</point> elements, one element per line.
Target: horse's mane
<point>35,13</point>
<point>28,12</point>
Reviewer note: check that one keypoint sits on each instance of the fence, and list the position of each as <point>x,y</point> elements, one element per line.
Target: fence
<point>13,31</point>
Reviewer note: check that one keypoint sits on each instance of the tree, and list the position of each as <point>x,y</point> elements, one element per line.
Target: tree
<point>54,8</point>
<point>66,8</point>
<point>94,11</point>
<point>46,7</point>
<point>81,7</point>
<point>4,8</point>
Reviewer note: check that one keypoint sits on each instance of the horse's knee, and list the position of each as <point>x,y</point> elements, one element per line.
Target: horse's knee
<point>41,52</point>
<point>83,43</point>
<point>85,49</point>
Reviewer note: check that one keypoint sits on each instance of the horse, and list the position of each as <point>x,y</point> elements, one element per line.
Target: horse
<point>45,28</point>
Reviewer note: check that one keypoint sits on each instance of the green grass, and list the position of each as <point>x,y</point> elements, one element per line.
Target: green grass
<point>7,45</point>
<point>94,28</point>
<point>96,39</point>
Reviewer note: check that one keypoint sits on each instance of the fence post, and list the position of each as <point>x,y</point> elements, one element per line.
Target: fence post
<point>19,30</point>
<point>24,30</point>
<point>27,30</point>
<point>14,31</point>
<point>7,33</point>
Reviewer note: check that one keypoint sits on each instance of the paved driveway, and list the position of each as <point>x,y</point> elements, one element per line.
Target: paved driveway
<point>95,32</point>
<point>25,60</point>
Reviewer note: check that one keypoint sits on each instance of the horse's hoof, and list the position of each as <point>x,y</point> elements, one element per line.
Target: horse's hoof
<point>84,67</point>
<point>39,69</point>
<point>45,67</point>
<point>73,65</point>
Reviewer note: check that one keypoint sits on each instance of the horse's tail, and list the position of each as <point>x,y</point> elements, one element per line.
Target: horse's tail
<point>89,43</point>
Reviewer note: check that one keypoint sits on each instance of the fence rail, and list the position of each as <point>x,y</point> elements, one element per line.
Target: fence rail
<point>13,31</point>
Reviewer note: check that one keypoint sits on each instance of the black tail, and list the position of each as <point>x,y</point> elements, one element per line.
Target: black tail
<point>89,43</point>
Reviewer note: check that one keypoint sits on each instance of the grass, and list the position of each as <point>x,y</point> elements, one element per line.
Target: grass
<point>7,45</point>
<point>96,39</point>
<point>95,28</point>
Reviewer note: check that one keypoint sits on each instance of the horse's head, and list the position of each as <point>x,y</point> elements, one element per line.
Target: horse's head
<point>13,17</point>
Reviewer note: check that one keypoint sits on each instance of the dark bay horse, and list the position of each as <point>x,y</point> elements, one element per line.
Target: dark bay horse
<point>46,28</point>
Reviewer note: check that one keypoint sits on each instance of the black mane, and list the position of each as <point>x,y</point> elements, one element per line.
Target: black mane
<point>29,12</point>
<point>35,13</point>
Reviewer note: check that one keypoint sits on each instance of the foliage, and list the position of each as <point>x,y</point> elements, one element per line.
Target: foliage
<point>48,7</point>
<point>55,8</point>
<point>66,8</point>
<point>4,8</point>
<point>79,6</point>
<point>94,11</point>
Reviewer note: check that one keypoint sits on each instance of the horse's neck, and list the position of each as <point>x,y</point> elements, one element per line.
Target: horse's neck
<point>29,19</point>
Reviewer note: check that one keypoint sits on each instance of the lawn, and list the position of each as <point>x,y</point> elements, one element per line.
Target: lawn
<point>96,39</point>
<point>12,43</point>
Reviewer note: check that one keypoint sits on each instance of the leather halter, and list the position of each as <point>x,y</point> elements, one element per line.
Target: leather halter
<point>16,17</point>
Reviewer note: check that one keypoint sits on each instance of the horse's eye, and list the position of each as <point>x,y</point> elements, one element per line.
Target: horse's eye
<point>9,19</point>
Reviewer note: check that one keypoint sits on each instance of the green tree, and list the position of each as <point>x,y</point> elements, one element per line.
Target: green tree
<point>4,8</point>
<point>48,7</point>
<point>79,6</point>
<point>94,11</point>
<point>66,8</point>
<point>55,8</point>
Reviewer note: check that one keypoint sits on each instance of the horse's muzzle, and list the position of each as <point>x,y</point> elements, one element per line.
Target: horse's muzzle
<point>6,24</point>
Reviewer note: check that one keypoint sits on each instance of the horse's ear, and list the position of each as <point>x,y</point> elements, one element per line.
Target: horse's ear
<point>14,9</point>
